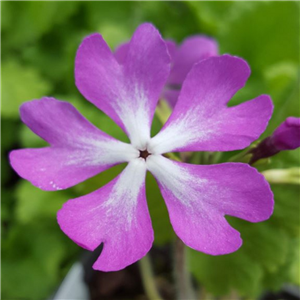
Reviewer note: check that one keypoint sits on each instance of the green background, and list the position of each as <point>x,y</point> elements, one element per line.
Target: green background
<point>39,42</point>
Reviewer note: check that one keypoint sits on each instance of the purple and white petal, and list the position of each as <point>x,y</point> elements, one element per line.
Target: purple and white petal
<point>199,196</point>
<point>78,150</point>
<point>115,215</point>
<point>127,92</point>
<point>191,51</point>
<point>201,120</point>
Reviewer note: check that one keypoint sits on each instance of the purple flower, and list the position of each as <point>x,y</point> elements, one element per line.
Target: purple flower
<point>192,50</point>
<point>285,137</point>
<point>197,196</point>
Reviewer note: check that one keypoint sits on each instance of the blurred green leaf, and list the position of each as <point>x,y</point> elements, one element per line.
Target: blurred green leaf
<point>222,274</point>
<point>212,15</point>
<point>260,240</point>
<point>288,272</point>
<point>272,51</point>
<point>20,84</point>
<point>287,206</point>
<point>266,41</point>
<point>26,21</point>
<point>294,262</point>
<point>8,133</point>
<point>163,231</point>
<point>9,139</point>
<point>28,139</point>
<point>281,75</point>
<point>7,205</point>
<point>114,24</point>
<point>6,16</point>
<point>32,255</point>
<point>33,203</point>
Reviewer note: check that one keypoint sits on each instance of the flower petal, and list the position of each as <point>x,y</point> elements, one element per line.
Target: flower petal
<point>191,51</point>
<point>122,49</point>
<point>121,52</point>
<point>201,121</point>
<point>287,135</point>
<point>171,96</point>
<point>172,48</point>
<point>128,93</point>
<point>78,149</point>
<point>116,215</point>
<point>198,197</point>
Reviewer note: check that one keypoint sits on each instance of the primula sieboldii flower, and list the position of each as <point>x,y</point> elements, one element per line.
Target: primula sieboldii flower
<point>285,137</point>
<point>192,50</point>
<point>197,196</point>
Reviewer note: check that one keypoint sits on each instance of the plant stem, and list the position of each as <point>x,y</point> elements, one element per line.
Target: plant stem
<point>182,276</point>
<point>172,156</point>
<point>163,111</point>
<point>148,279</point>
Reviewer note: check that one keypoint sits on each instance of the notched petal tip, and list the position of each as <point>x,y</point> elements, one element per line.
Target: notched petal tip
<point>115,215</point>
<point>199,196</point>
<point>235,246</point>
<point>261,191</point>
<point>239,65</point>
<point>62,218</point>
<point>99,266</point>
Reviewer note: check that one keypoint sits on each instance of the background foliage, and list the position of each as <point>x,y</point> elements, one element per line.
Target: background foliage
<point>39,42</point>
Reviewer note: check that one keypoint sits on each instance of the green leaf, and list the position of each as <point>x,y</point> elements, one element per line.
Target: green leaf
<point>289,272</point>
<point>271,50</point>
<point>20,84</point>
<point>25,22</point>
<point>212,15</point>
<point>33,203</point>
<point>266,41</point>
<point>222,274</point>
<point>259,242</point>
<point>6,15</point>
<point>28,139</point>
<point>111,20</point>
<point>32,255</point>
<point>286,211</point>
<point>8,133</point>
<point>9,139</point>
<point>163,231</point>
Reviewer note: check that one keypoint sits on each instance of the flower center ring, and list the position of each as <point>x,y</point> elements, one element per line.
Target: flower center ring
<point>144,154</point>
